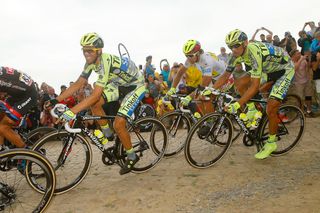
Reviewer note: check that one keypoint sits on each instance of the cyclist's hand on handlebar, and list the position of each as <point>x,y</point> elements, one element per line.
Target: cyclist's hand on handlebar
<point>186,100</point>
<point>233,108</point>
<point>67,116</point>
<point>171,91</point>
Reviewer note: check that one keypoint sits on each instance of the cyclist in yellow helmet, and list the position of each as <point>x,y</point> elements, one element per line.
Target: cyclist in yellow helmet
<point>260,58</point>
<point>118,78</point>
<point>208,62</point>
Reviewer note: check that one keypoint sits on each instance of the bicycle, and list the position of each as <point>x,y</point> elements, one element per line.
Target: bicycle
<point>70,151</point>
<point>20,169</point>
<point>207,145</point>
<point>179,123</point>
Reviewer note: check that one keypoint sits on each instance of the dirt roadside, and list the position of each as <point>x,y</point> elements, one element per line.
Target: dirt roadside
<point>238,183</point>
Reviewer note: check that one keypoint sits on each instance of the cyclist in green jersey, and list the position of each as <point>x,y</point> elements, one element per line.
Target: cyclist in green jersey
<point>119,79</point>
<point>260,58</point>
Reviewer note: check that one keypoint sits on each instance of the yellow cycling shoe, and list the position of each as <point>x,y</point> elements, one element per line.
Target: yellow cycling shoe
<point>267,149</point>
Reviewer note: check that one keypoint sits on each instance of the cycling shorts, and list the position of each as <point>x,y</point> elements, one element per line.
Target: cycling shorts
<point>282,83</point>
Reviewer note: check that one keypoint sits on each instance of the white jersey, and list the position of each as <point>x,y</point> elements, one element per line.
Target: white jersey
<point>209,65</point>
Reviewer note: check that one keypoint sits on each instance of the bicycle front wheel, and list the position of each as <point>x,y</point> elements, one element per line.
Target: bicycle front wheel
<point>71,171</point>
<point>208,140</point>
<point>178,126</point>
<point>18,167</point>
<point>148,143</point>
<point>290,129</point>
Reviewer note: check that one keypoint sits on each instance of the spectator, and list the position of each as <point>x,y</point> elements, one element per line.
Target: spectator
<point>315,65</point>
<point>163,85</point>
<point>262,36</point>
<point>165,73</point>
<point>276,41</point>
<point>315,44</point>
<point>288,43</point>
<point>223,56</point>
<point>153,86</point>
<point>173,74</point>
<point>302,81</point>
<point>312,26</point>
<point>148,68</point>
<point>304,41</point>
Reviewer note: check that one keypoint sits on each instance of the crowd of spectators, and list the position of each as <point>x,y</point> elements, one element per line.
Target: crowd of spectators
<point>305,53</point>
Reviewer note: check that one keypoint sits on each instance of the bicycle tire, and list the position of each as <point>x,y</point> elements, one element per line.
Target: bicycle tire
<point>150,151</point>
<point>75,169</point>
<point>197,154</point>
<point>174,121</point>
<point>296,119</point>
<point>14,177</point>
<point>38,133</point>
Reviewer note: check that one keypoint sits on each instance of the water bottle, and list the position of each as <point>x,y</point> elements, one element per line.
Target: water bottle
<point>256,119</point>
<point>100,136</point>
<point>245,120</point>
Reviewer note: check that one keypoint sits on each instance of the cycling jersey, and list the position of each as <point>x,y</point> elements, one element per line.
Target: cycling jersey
<point>115,72</point>
<point>265,58</point>
<point>21,90</point>
<point>209,65</point>
<point>193,76</point>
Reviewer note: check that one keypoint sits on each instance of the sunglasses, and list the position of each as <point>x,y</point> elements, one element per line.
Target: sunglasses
<point>234,46</point>
<point>90,51</point>
<point>191,55</point>
<point>176,66</point>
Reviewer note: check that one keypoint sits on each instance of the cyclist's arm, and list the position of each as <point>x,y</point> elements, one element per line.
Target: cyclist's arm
<point>90,100</point>
<point>182,70</point>
<point>72,89</point>
<point>222,80</point>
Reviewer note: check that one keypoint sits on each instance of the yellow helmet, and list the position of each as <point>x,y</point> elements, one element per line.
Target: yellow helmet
<point>191,46</point>
<point>235,37</point>
<point>91,40</point>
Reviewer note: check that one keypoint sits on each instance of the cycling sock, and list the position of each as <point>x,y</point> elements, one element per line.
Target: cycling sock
<point>106,130</point>
<point>131,154</point>
<point>272,139</point>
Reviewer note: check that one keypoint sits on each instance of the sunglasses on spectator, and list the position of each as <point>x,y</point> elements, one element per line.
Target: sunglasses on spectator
<point>90,51</point>
<point>191,55</point>
<point>234,46</point>
<point>176,66</point>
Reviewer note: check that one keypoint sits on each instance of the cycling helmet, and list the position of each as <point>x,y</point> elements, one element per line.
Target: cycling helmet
<point>191,46</point>
<point>92,40</point>
<point>236,37</point>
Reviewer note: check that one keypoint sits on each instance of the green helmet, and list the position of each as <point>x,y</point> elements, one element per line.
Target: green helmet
<point>191,46</point>
<point>235,37</point>
<point>91,40</point>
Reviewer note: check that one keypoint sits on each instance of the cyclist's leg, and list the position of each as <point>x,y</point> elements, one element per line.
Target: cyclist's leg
<point>110,94</point>
<point>278,93</point>
<point>128,105</point>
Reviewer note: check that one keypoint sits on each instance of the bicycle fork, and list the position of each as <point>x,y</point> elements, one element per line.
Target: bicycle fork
<point>65,151</point>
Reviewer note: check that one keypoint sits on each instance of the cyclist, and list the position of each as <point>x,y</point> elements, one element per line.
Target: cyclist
<point>22,96</point>
<point>208,62</point>
<point>260,58</point>
<point>119,78</point>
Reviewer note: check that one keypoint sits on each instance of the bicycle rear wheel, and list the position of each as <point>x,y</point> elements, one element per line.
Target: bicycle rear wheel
<point>149,144</point>
<point>208,140</point>
<point>18,167</point>
<point>178,126</point>
<point>73,170</point>
<point>290,129</point>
